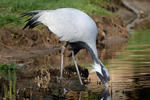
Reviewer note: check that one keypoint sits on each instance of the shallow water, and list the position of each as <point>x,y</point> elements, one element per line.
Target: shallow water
<point>129,68</point>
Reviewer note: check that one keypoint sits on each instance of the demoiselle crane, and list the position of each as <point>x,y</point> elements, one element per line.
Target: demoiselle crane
<point>74,27</point>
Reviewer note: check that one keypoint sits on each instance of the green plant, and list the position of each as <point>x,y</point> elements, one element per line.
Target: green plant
<point>8,73</point>
<point>10,10</point>
<point>7,67</point>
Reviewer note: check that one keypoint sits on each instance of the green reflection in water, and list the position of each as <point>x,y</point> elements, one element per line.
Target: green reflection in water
<point>130,70</point>
<point>140,37</point>
<point>8,81</point>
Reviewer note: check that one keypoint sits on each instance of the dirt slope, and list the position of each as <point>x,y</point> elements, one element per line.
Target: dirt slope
<point>16,43</point>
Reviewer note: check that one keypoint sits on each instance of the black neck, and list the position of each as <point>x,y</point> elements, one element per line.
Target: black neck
<point>94,57</point>
<point>76,46</point>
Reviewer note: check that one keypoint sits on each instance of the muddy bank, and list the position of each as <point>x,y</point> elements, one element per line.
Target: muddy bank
<point>39,48</point>
<point>37,52</point>
<point>135,14</point>
<point>16,43</point>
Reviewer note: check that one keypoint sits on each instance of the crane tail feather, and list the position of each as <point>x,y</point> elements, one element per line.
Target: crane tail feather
<point>30,13</point>
<point>31,22</point>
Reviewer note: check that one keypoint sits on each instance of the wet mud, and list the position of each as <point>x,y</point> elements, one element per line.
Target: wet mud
<point>36,54</point>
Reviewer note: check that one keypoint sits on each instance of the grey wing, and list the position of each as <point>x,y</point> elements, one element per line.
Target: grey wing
<point>67,23</point>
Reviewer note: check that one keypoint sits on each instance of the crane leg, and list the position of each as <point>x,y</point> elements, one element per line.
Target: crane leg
<point>62,61</point>
<point>76,67</point>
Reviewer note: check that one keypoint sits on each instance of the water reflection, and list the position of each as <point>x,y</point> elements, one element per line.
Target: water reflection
<point>130,70</point>
<point>104,95</point>
<point>8,82</point>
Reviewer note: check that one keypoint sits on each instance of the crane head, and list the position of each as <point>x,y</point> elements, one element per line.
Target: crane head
<point>101,72</point>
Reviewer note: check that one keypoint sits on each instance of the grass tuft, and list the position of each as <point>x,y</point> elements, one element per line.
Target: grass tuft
<point>7,67</point>
<point>10,10</point>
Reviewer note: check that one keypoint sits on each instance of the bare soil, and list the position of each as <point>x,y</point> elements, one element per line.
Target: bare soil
<point>37,54</point>
<point>16,44</point>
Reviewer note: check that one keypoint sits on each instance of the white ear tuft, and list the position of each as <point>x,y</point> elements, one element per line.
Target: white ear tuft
<point>97,68</point>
